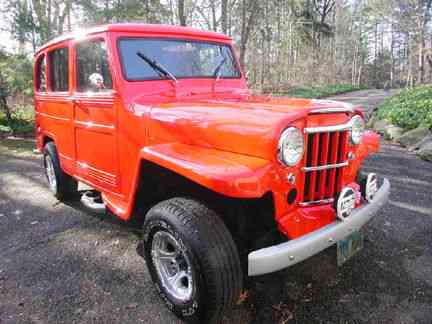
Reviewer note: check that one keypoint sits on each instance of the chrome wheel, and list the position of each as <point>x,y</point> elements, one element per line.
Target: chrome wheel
<point>172,266</point>
<point>50,173</point>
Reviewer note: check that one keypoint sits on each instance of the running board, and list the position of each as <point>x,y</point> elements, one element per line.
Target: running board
<point>92,199</point>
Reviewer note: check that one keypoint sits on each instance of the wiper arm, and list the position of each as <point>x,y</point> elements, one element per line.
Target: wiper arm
<point>157,66</point>
<point>217,71</point>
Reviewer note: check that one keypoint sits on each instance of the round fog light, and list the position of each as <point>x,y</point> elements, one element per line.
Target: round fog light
<point>345,203</point>
<point>371,187</point>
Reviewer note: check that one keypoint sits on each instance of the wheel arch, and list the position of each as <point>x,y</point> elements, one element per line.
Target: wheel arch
<point>156,182</point>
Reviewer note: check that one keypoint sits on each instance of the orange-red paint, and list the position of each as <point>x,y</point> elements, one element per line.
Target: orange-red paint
<point>219,136</point>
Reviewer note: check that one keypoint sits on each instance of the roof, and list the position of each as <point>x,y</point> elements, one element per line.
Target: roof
<point>137,28</point>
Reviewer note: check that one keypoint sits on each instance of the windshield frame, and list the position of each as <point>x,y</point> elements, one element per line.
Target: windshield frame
<point>182,39</point>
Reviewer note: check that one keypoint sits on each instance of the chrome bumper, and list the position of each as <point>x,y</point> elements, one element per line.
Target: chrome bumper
<point>284,255</point>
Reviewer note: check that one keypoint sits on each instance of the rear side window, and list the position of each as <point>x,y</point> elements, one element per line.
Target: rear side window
<point>92,67</point>
<point>59,69</point>
<point>41,85</point>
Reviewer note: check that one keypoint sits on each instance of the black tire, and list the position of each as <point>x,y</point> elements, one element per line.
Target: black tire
<point>65,187</point>
<point>208,245</point>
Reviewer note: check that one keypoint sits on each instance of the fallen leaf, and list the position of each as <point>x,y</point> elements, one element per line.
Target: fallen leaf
<point>132,306</point>
<point>243,296</point>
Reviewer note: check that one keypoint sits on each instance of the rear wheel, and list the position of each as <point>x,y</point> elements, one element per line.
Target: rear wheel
<point>62,185</point>
<point>192,259</point>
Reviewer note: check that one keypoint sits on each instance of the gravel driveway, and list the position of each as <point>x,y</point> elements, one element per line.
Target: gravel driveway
<point>62,264</point>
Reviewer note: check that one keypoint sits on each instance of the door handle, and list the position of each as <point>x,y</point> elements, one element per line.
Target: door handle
<point>76,101</point>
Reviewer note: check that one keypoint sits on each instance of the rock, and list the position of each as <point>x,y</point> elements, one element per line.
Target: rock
<point>380,126</point>
<point>393,132</point>
<point>413,136</point>
<point>425,151</point>
<point>418,145</point>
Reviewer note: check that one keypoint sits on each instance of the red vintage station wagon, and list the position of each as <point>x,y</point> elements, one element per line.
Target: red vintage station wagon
<point>225,184</point>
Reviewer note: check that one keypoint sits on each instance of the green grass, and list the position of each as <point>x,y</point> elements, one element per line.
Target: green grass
<point>22,122</point>
<point>409,109</point>
<point>17,145</point>
<point>319,92</point>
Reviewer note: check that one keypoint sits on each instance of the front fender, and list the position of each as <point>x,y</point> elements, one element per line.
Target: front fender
<point>369,145</point>
<point>371,142</point>
<point>230,174</point>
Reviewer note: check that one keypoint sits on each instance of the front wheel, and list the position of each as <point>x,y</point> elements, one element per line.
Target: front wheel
<point>192,259</point>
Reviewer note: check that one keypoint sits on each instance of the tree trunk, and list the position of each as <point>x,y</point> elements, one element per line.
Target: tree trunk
<point>5,108</point>
<point>214,20</point>
<point>224,16</point>
<point>181,12</point>
<point>248,20</point>
<point>420,77</point>
<point>392,59</point>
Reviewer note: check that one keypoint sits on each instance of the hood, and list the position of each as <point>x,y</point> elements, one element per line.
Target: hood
<point>249,126</point>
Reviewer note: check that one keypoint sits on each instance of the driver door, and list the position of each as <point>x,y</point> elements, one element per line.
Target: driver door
<point>95,123</point>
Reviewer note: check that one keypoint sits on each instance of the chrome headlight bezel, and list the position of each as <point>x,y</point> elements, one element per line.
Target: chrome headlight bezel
<point>291,146</point>
<point>357,129</point>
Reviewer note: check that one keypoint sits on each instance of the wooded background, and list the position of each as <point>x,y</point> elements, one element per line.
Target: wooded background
<point>281,43</point>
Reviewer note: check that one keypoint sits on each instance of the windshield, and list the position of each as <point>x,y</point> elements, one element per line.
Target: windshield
<point>184,59</point>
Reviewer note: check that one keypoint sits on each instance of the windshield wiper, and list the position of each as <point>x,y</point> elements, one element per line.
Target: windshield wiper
<point>157,66</point>
<point>217,71</point>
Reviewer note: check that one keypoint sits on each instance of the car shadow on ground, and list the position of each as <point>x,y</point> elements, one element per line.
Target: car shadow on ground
<point>63,263</point>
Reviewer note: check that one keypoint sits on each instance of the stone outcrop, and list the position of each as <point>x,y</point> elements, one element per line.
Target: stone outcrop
<point>413,137</point>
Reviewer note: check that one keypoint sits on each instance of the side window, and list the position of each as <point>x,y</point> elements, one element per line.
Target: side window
<point>41,85</point>
<point>92,67</point>
<point>59,69</point>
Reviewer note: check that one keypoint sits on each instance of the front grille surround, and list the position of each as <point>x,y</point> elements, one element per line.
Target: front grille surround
<point>326,156</point>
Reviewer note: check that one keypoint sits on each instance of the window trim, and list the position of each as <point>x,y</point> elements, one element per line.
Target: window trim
<point>41,57</point>
<point>182,39</point>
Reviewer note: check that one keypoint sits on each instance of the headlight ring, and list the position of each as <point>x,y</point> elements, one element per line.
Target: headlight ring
<point>357,129</point>
<point>291,146</point>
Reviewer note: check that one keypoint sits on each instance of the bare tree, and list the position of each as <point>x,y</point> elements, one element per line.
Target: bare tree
<point>249,13</point>
<point>224,16</point>
<point>181,12</point>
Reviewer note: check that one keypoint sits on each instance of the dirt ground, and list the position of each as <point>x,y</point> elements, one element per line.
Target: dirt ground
<point>61,264</point>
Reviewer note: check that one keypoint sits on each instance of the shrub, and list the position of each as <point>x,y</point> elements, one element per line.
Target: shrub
<point>22,121</point>
<point>410,109</point>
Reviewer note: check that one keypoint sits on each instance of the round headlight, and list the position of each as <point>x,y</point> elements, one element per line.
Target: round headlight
<point>357,129</point>
<point>291,146</point>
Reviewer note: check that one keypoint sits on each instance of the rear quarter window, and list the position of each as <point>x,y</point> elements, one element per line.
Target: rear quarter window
<point>59,69</point>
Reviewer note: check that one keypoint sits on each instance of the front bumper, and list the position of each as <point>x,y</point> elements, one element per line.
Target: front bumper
<point>286,254</point>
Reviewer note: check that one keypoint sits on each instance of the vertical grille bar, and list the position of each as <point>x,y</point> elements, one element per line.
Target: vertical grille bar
<point>323,161</point>
<point>343,156</point>
<point>333,160</point>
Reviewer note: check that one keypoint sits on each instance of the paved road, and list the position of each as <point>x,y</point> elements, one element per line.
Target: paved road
<point>61,264</point>
<point>369,99</point>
